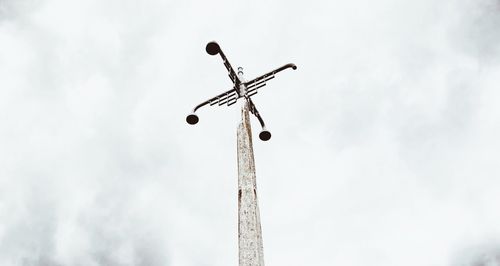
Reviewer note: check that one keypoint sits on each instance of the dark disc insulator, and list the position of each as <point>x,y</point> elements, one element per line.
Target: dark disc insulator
<point>212,48</point>
<point>265,135</point>
<point>192,119</point>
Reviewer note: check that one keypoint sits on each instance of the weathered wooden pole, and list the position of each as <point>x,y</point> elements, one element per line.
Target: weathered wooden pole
<point>251,251</point>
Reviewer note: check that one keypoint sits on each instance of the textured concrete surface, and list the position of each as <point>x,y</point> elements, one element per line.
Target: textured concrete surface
<point>249,229</point>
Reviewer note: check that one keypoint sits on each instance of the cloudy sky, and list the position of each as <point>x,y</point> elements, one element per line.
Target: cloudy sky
<point>385,147</point>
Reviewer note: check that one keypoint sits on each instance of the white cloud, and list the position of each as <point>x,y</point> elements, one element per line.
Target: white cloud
<point>384,140</point>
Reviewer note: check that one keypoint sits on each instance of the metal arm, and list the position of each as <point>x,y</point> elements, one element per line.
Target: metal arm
<point>213,48</point>
<point>225,97</point>
<point>269,75</point>
<point>264,135</point>
<point>229,97</point>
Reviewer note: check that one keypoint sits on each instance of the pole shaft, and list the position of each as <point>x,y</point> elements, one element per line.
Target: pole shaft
<point>249,228</point>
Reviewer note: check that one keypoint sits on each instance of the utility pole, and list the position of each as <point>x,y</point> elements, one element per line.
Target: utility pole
<point>251,251</point>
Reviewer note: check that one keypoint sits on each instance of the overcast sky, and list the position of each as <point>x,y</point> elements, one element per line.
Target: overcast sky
<point>385,147</point>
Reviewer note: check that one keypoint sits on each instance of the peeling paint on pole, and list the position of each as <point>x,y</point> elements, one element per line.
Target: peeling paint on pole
<point>251,251</point>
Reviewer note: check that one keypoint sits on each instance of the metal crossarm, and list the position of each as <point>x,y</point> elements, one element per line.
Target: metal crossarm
<point>241,89</point>
<point>213,48</point>
<point>269,75</point>
<point>264,134</point>
<point>257,83</point>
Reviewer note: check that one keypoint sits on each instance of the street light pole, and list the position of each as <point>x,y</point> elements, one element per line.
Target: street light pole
<point>250,248</point>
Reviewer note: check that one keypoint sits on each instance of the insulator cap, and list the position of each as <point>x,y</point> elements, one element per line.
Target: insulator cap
<point>212,48</point>
<point>265,135</point>
<point>192,119</point>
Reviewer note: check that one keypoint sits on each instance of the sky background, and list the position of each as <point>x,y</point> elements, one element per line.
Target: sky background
<point>385,147</point>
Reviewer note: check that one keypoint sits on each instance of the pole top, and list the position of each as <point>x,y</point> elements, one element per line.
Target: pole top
<point>241,89</point>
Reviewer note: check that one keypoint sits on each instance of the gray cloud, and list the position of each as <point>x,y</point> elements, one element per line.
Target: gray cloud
<point>475,30</point>
<point>485,254</point>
